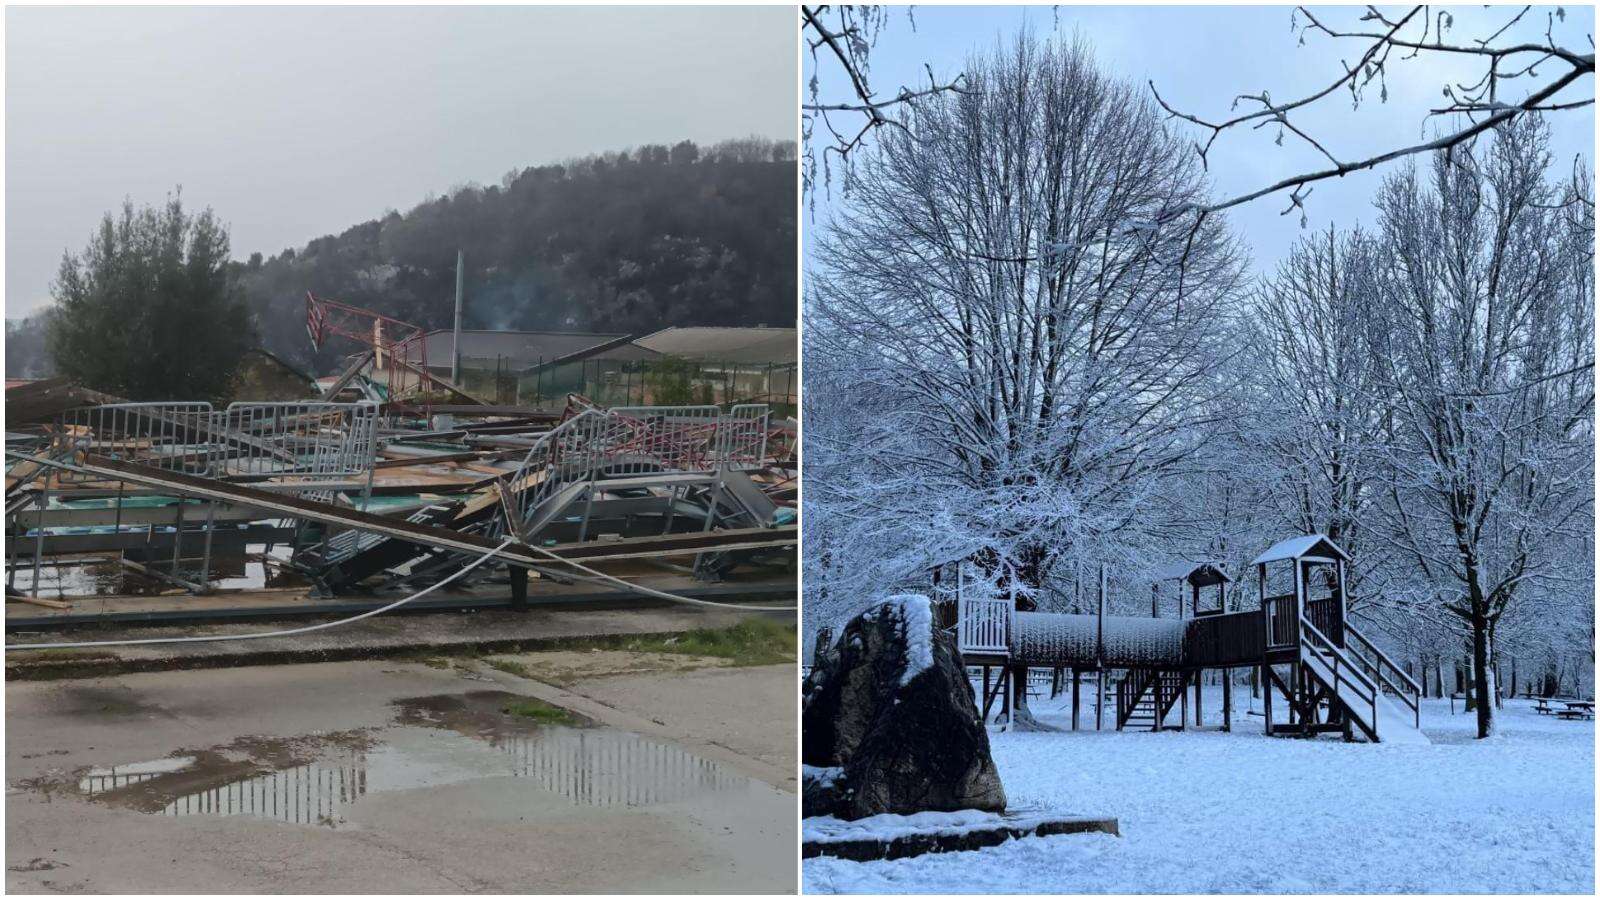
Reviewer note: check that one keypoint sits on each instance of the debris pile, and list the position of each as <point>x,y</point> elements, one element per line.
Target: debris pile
<point>362,497</point>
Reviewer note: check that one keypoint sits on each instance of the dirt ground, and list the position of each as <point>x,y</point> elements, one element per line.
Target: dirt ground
<point>382,776</point>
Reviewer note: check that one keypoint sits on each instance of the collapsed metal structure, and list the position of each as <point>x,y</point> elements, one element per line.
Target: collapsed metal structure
<point>358,497</point>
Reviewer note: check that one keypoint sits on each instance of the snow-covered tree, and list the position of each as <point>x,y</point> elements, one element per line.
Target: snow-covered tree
<point>1313,415</point>
<point>1023,366</point>
<point>1486,351</point>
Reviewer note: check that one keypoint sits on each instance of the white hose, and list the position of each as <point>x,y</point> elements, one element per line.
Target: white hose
<point>652,592</point>
<point>266,634</point>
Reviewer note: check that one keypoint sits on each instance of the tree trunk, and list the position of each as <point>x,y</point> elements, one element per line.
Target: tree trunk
<point>1021,718</point>
<point>1482,677</point>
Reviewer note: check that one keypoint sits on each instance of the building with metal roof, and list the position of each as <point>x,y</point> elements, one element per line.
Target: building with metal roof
<point>750,346</point>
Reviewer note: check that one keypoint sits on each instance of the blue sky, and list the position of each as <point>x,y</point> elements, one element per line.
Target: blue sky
<point>1201,57</point>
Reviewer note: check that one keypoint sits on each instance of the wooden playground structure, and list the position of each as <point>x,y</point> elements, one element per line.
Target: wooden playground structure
<point>1331,677</point>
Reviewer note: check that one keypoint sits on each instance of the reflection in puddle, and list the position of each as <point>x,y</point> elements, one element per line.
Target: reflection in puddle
<point>581,767</point>
<point>314,794</point>
<point>253,566</point>
<point>97,781</point>
<point>593,767</point>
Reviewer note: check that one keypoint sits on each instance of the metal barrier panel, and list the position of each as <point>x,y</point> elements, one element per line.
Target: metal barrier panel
<point>172,436</point>
<point>639,440</point>
<point>744,436</point>
<point>674,438</point>
<point>313,438</point>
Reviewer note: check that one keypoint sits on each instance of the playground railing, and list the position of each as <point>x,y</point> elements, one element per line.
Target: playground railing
<point>1225,639</point>
<point>1386,672</point>
<point>1345,672</point>
<point>1280,620</point>
<point>985,626</point>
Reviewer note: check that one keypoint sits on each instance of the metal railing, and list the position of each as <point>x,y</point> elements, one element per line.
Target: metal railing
<point>310,438</point>
<point>246,440</point>
<point>640,440</point>
<point>744,436</point>
<point>171,436</point>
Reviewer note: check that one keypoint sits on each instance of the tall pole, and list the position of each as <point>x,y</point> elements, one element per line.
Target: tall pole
<point>1099,654</point>
<point>455,336</point>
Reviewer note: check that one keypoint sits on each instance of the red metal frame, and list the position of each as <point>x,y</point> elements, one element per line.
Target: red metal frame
<point>403,344</point>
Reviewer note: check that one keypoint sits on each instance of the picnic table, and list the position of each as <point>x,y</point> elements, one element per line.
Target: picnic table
<point>1576,709</point>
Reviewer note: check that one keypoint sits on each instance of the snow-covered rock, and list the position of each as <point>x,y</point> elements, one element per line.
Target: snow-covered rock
<point>889,724</point>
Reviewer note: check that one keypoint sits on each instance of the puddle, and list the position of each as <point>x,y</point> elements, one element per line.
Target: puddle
<point>316,780</point>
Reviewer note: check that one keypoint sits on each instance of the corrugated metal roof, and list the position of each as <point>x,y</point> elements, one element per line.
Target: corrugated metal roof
<point>775,346</point>
<point>528,348</point>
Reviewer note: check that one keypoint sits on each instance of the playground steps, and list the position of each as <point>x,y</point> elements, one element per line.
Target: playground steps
<point>1374,715</point>
<point>1149,697</point>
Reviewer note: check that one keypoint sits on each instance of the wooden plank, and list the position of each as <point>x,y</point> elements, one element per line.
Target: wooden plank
<point>20,597</point>
<point>161,515</point>
<point>41,401</point>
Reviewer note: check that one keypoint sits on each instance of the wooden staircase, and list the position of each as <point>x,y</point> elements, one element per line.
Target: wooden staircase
<point>1146,696</point>
<point>1337,689</point>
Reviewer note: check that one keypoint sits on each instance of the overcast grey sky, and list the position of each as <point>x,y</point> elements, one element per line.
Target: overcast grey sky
<point>1201,57</point>
<point>293,123</point>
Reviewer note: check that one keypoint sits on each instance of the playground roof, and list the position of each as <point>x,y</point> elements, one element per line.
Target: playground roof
<point>1199,574</point>
<point>1301,547</point>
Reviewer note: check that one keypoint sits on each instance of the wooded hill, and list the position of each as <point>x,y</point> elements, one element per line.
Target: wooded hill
<point>628,241</point>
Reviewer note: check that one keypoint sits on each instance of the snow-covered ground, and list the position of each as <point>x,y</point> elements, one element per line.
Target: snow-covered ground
<point>1212,812</point>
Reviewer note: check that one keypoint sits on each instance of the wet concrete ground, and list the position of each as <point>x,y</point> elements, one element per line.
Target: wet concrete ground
<point>380,776</point>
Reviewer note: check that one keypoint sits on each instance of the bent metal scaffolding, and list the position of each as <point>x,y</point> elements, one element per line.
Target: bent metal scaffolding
<point>353,501</point>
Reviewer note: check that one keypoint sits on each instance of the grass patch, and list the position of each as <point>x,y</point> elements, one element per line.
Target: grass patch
<point>510,666</point>
<point>54,653</point>
<point>539,711</point>
<point>754,642</point>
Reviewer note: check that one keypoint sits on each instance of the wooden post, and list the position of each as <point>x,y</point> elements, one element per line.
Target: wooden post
<point>1099,650</point>
<point>1227,699</point>
<point>1339,639</point>
<point>1100,701</point>
<point>1199,677</point>
<point>986,695</point>
<point>519,588</point>
<point>1183,705</point>
<point>1075,683</point>
<point>1266,698</point>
